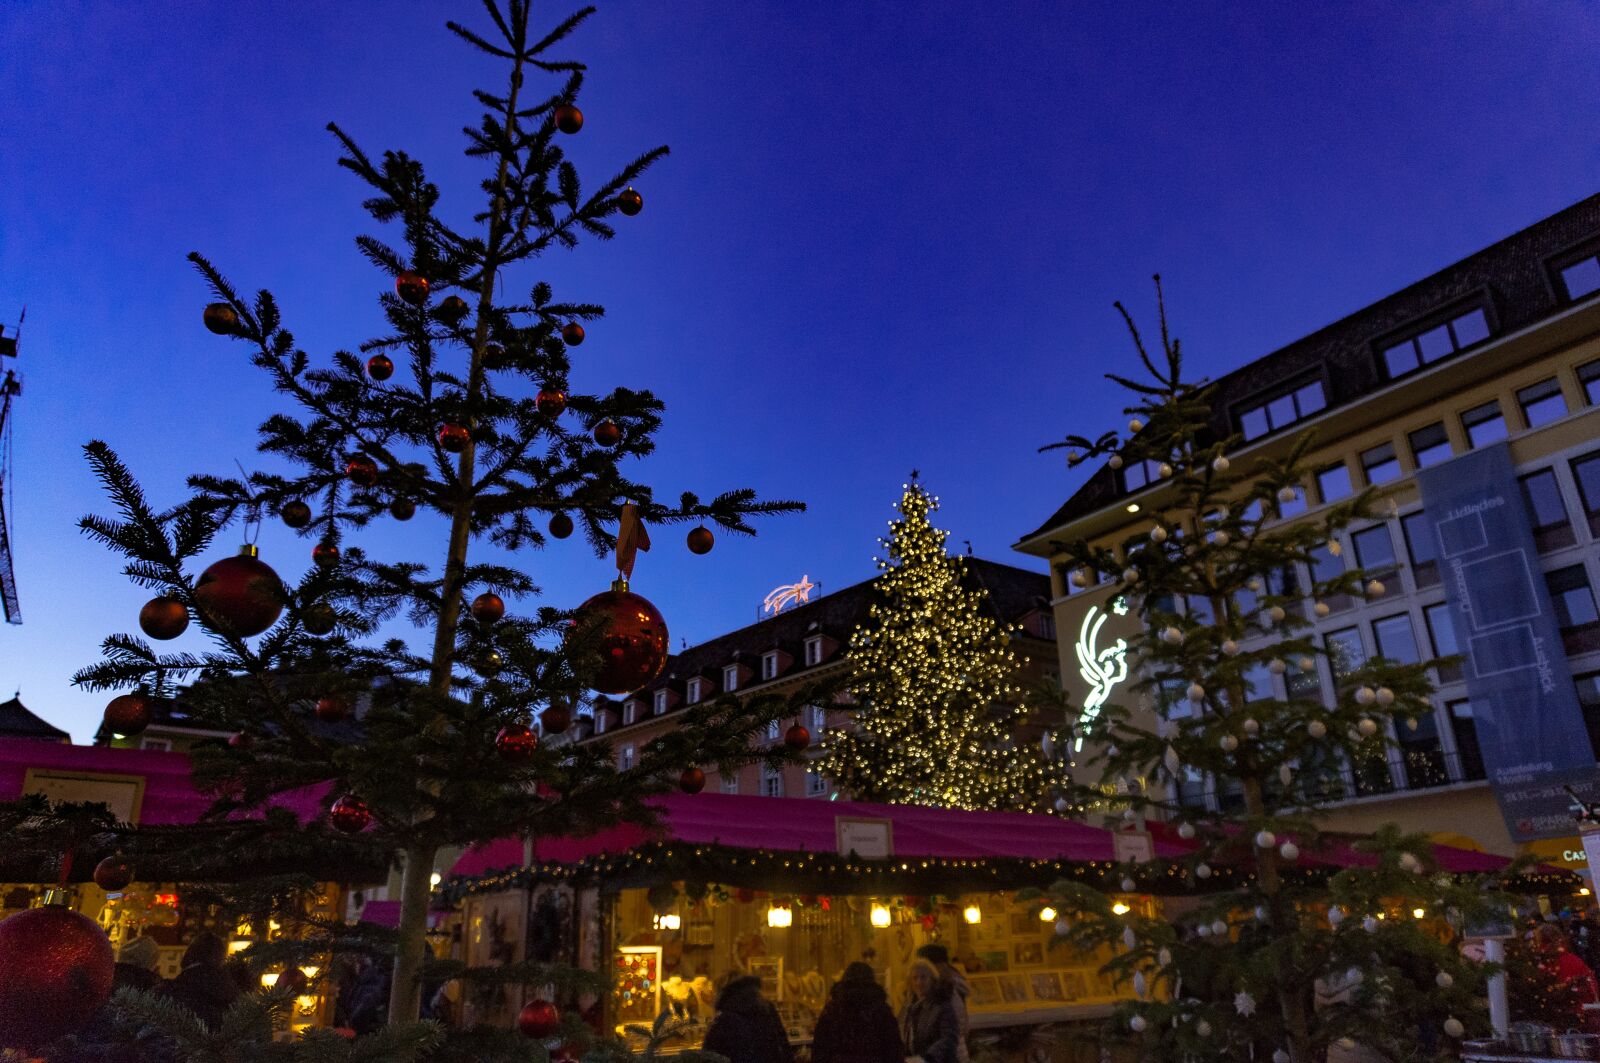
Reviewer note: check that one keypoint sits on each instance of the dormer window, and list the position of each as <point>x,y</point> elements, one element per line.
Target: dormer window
<point>1265,414</point>
<point>814,650</point>
<point>599,723</point>
<point>1579,271</point>
<point>769,665</point>
<point>1140,474</point>
<point>730,677</point>
<point>625,758</point>
<point>660,702</point>
<point>1435,342</point>
<point>628,710</point>
<point>694,691</point>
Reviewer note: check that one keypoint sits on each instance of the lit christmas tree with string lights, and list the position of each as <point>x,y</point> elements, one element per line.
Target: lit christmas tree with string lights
<point>934,678</point>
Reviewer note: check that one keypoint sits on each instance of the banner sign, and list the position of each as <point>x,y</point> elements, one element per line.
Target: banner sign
<point>1529,722</point>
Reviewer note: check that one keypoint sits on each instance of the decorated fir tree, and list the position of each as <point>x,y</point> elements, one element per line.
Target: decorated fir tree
<point>1281,958</point>
<point>431,708</point>
<point>935,681</point>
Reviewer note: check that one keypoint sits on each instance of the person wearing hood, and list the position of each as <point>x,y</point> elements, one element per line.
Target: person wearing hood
<point>939,956</point>
<point>137,961</point>
<point>857,1025</point>
<point>747,1028</point>
<point>928,1024</point>
<point>204,986</point>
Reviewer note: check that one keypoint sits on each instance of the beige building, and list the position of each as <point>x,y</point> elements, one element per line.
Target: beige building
<point>1503,345</point>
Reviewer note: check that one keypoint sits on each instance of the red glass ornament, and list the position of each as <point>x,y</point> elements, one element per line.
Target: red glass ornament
<point>319,618</point>
<point>362,471</point>
<point>572,334</point>
<point>412,287</point>
<point>700,541</point>
<point>56,968</point>
<point>551,401</point>
<point>402,509</point>
<point>332,709</point>
<point>797,737</point>
<point>325,555</point>
<point>241,740</point>
<point>488,608</point>
<point>560,525</point>
<point>607,434</point>
<point>630,202</point>
<point>538,1019</point>
<point>633,638</point>
<point>350,814</point>
<point>516,743</point>
<point>296,514</point>
<point>454,438</point>
<point>568,118</point>
<point>127,714</point>
<point>380,367</point>
<point>567,1052</point>
<point>239,595</point>
<point>163,618</point>
<point>113,874</point>
<point>692,781</point>
<point>557,718</point>
<point>452,309</point>
<point>221,319</point>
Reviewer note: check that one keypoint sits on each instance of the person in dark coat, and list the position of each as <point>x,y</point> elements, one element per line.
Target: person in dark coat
<point>747,1028</point>
<point>136,966</point>
<point>857,1025</point>
<point>929,1025</point>
<point>204,985</point>
<point>369,1000</point>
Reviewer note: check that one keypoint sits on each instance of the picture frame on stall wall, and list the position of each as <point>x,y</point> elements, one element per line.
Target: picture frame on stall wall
<point>1024,925</point>
<point>985,991</point>
<point>1073,986</point>
<point>1028,953</point>
<point>1014,988</point>
<point>995,960</point>
<point>770,970</point>
<point>1047,987</point>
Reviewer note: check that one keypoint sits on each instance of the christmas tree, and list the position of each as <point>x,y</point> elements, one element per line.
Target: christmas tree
<point>934,678</point>
<point>407,688</point>
<point>1281,958</point>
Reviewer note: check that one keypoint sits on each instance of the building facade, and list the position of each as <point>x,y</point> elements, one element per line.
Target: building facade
<point>1502,347</point>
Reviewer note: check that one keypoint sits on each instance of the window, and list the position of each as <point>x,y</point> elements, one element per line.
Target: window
<point>1484,424</point>
<point>816,720</point>
<point>1420,546</point>
<point>1586,470</point>
<point>1303,684</point>
<point>1345,652</point>
<point>1294,506</point>
<point>1465,729</point>
<point>1542,403</point>
<point>1572,598</point>
<point>769,665</point>
<point>1589,377</point>
<point>625,758</point>
<point>1395,639</point>
<point>1257,420</point>
<point>814,650</point>
<point>816,783</point>
<point>1547,513</point>
<point>730,782</point>
<point>1333,483</point>
<point>628,709</point>
<point>660,702</point>
<point>771,782</point>
<point>1441,629</point>
<point>1374,550</point>
<point>1325,565</point>
<point>1430,445</point>
<point>1139,474</point>
<point>774,730</point>
<point>1588,686</point>
<point>730,677</point>
<point>1380,464</point>
<point>693,691</point>
<point>1582,277</point>
<point>1421,756</point>
<point>1257,681</point>
<point>1438,342</point>
<point>160,744</point>
<point>599,722</point>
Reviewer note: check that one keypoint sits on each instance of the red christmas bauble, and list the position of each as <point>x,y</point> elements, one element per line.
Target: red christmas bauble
<point>318,618</point>
<point>325,555</point>
<point>568,118</point>
<point>350,814</point>
<point>402,509</point>
<point>633,639</point>
<point>221,319</point>
<point>692,781</point>
<point>412,287</point>
<point>488,608</point>
<point>239,595</point>
<point>701,540</point>
<point>452,309</point>
<point>333,708</point>
<point>557,718</point>
<point>516,743</point>
<point>538,1019</point>
<point>241,740</point>
<point>380,367</point>
<point>561,525</point>
<point>551,401</point>
<point>127,714</point>
<point>572,334</point>
<point>55,973</point>
<point>454,438</point>
<point>362,471</point>
<point>163,618</point>
<point>797,737</point>
<point>295,513</point>
<point>607,434</point>
<point>630,202</point>
<point>113,874</point>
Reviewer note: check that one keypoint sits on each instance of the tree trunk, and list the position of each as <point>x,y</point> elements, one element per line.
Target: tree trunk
<point>416,888</point>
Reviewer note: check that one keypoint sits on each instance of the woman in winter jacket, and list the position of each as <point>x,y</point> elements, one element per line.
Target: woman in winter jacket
<point>929,1025</point>
<point>747,1028</point>
<point>857,1025</point>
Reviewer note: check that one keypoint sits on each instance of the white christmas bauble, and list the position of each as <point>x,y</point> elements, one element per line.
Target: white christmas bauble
<point>1276,666</point>
<point>1307,664</point>
<point>1073,457</point>
<point>1230,647</point>
<point>1140,985</point>
<point>1164,957</point>
<point>1137,1024</point>
<point>1047,745</point>
<point>1115,461</point>
<point>1321,609</point>
<point>1265,839</point>
<point>1375,589</point>
<point>1129,575</point>
<point>1385,696</point>
<point>1219,928</point>
<point>1220,538</point>
<point>1411,723</point>
<point>1368,727</point>
<point>1228,743</point>
<point>1129,815</point>
<point>1277,614</point>
<point>1316,729</point>
<point>1366,696</point>
<point>1289,851</point>
<point>1197,692</point>
<point>1255,584</point>
<point>1261,913</point>
<point>1164,470</point>
<point>1202,931</point>
<point>1158,534</point>
<point>1171,636</point>
<point>1219,464</point>
<point>1203,1028</point>
<point>1062,804</point>
<point>1335,548</point>
<point>1409,862</point>
<point>1453,1027</point>
<point>1250,726</point>
<point>1129,938</point>
<point>1128,885</point>
<point>1285,774</point>
<point>1443,980</point>
<point>1080,578</point>
<point>1186,830</point>
<point>1335,915</point>
<point>1202,870</point>
<point>1370,924</point>
<point>1287,494</point>
<point>1063,926</point>
<point>1170,759</point>
<point>1280,1056</point>
<point>1135,424</point>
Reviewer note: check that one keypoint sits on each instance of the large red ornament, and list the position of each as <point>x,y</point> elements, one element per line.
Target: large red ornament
<point>557,718</point>
<point>350,814</point>
<point>319,618</point>
<point>572,334</point>
<point>633,639</point>
<point>163,618</point>
<point>127,714</point>
<point>701,540</point>
<point>452,309</point>
<point>516,743</point>
<point>797,737</point>
<point>402,509</point>
<point>239,595</point>
<point>221,319</point>
<point>412,287</point>
<point>692,781</point>
<point>568,119</point>
<point>333,708</point>
<point>380,367</point>
<point>362,471</point>
<point>539,1019</point>
<point>607,434</point>
<point>454,438</point>
<point>56,968</point>
<point>630,202</point>
<point>295,513</point>
<point>561,525</point>
<point>113,874</point>
<point>551,401</point>
<point>325,555</point>
<point>488,608</point>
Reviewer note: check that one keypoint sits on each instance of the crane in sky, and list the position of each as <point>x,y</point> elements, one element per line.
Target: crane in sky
<point>10,388</point>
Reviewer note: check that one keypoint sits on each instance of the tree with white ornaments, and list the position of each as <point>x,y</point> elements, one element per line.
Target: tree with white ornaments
<point>1281,957</point>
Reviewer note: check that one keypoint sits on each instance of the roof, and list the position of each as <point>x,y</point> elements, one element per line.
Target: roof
<point>19,721</point>
<point>1512,278</point>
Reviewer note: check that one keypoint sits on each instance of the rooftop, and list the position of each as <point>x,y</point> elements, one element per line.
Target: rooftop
<point>19,721</point>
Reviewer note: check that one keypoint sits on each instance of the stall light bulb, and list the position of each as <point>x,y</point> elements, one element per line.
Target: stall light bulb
<point>1120,909</point>
<point>1583,891</point>
<point>880,916</point>
<point>780,917</point>
<point>435,878</point>
<point>269,979</point>
<point>672,921</point>
<point>1419,913</point>
<point>1047,915</point>
<point>311,972</point>
<point>973,914</point>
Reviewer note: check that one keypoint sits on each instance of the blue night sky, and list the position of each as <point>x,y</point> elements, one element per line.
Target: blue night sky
<point>888,236</point>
